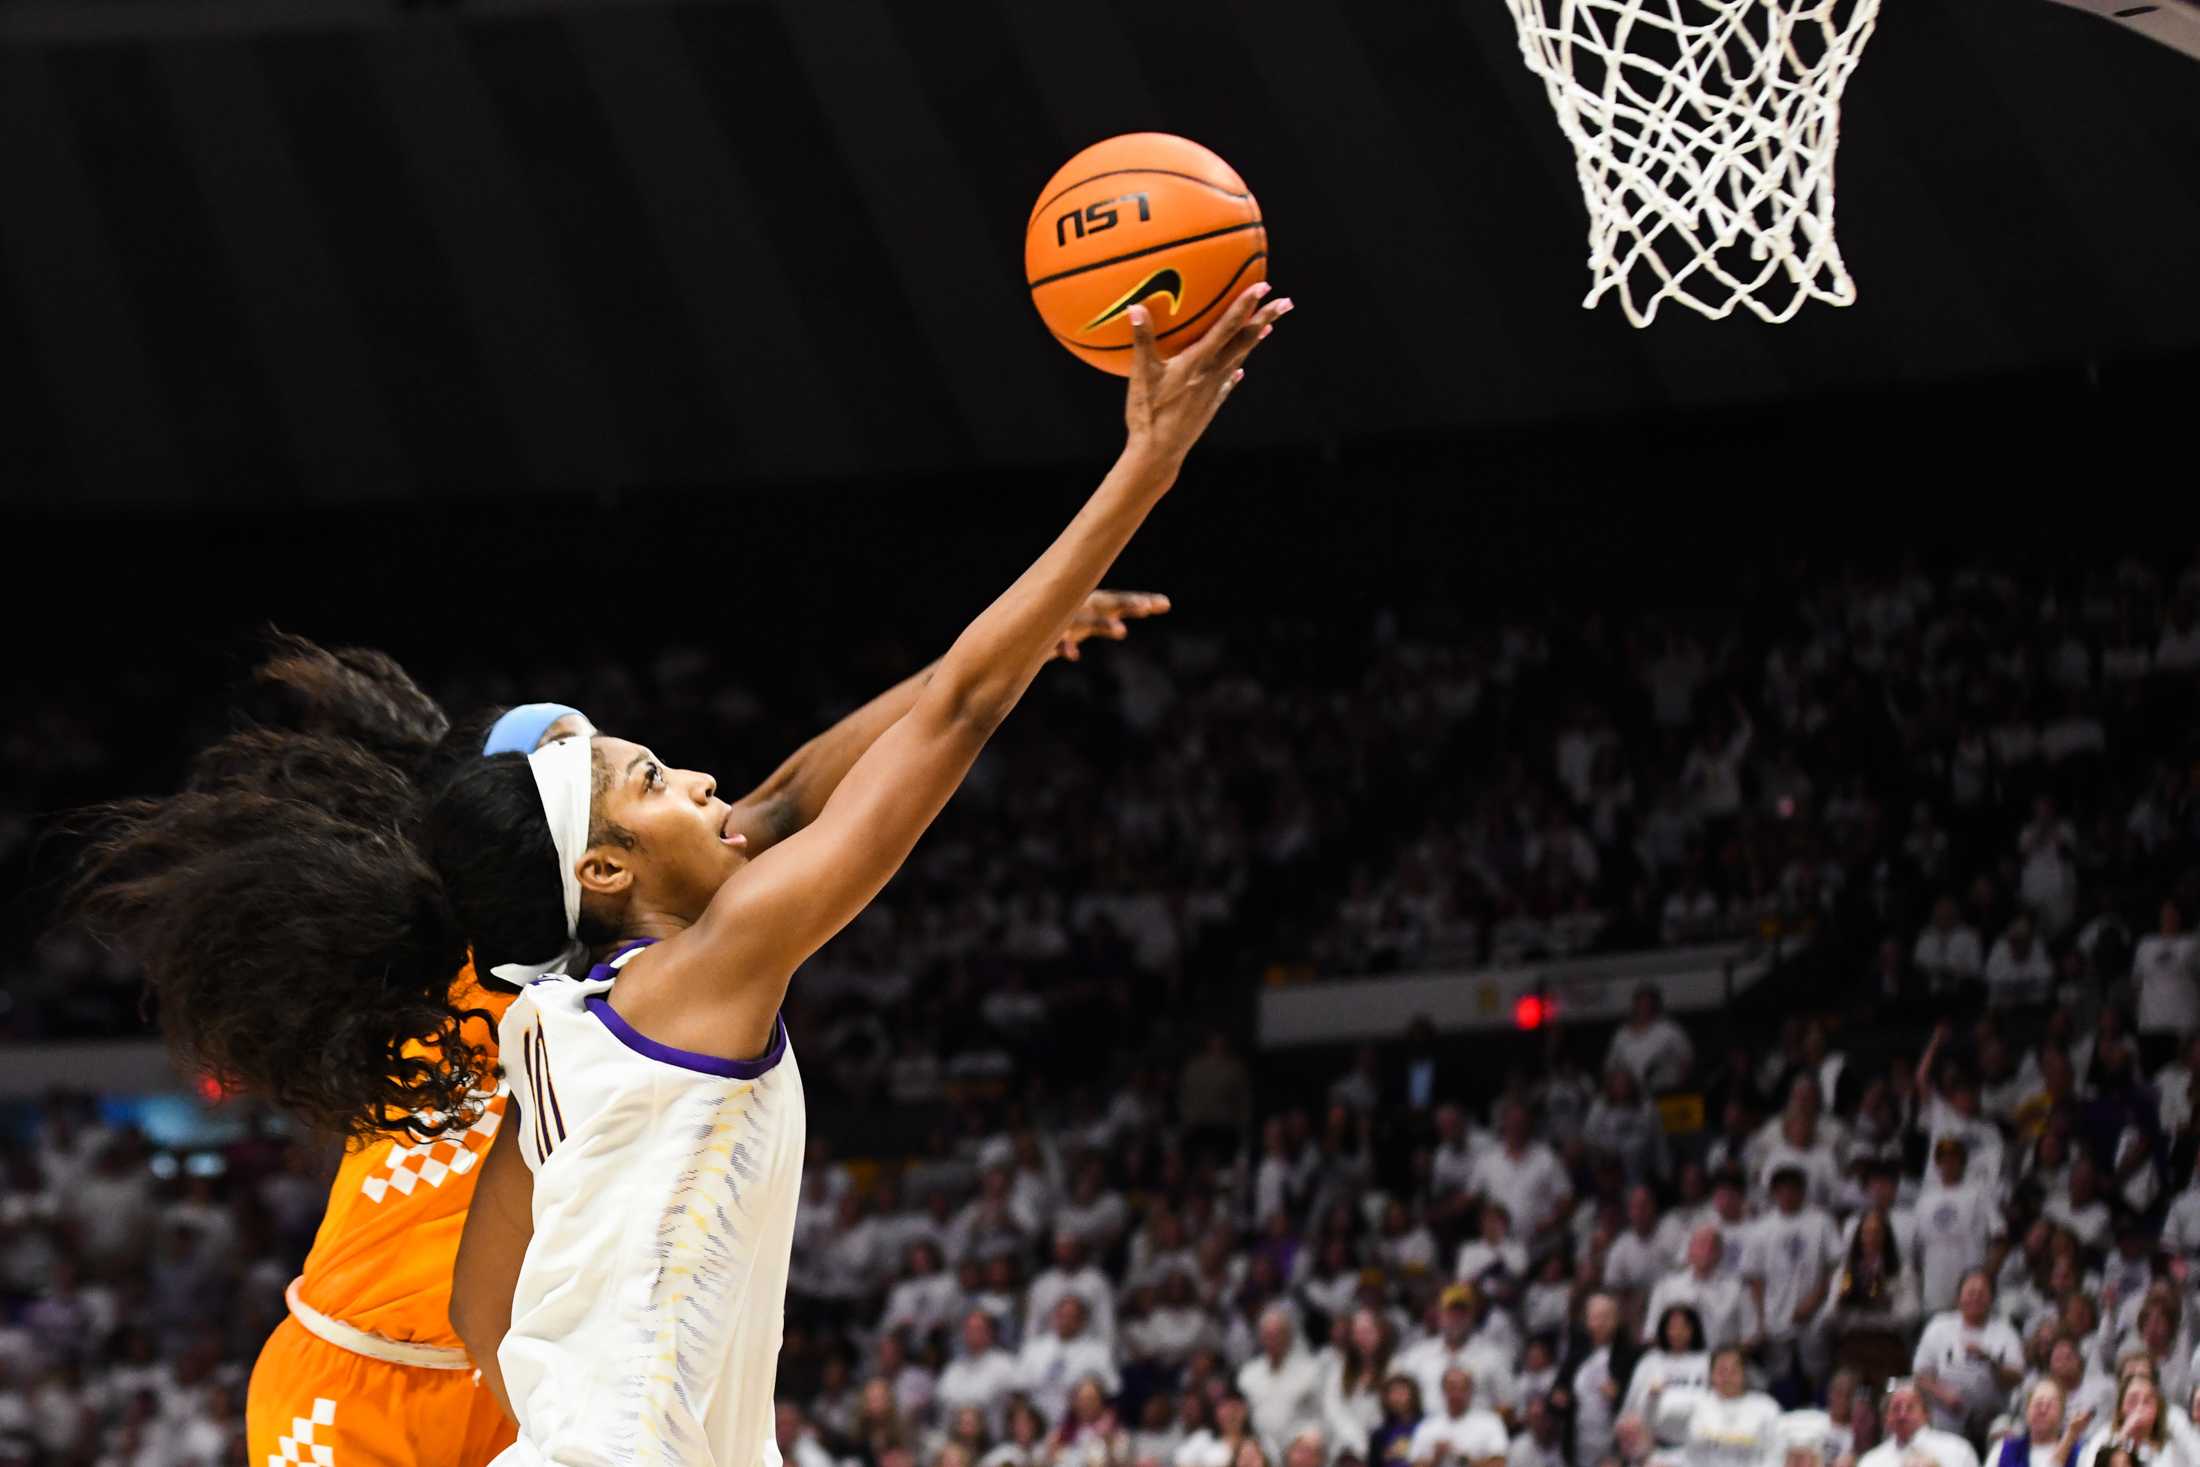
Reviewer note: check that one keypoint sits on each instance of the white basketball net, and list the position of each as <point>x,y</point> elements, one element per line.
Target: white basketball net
<point>1703,134</point>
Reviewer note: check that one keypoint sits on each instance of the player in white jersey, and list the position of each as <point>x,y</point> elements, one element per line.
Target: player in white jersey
<point>622,1280</point>
<point>664,1206</point>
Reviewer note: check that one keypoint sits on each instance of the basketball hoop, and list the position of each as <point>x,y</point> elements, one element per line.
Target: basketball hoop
<point>1703,135</point>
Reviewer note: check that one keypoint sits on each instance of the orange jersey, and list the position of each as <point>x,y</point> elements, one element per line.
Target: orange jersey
<point>381,1261</point>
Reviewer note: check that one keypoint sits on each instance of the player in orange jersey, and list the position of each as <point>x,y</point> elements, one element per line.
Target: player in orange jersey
<point>367,1371</point>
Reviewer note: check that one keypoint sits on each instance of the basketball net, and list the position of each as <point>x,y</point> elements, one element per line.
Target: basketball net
<point>1703,135</point>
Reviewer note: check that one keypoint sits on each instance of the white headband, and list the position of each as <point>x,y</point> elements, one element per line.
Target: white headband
<point>564,772</point>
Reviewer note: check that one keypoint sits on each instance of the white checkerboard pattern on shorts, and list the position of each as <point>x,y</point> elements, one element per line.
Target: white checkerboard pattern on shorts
<point>446,1156</point>
<point>300,1446</point>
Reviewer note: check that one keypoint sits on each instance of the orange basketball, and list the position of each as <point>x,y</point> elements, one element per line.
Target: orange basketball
<point>1143,217</point>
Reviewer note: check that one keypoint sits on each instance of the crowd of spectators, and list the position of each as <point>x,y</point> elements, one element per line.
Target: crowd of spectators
<point>1111,1246</point>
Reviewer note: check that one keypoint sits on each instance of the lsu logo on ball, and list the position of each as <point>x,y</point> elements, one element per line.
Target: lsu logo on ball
<point>1096,217</point>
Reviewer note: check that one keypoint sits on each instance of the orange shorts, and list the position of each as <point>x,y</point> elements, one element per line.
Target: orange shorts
<point>314,1402</point>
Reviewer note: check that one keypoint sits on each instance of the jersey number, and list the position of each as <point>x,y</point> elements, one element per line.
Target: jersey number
<point>544,1113</point>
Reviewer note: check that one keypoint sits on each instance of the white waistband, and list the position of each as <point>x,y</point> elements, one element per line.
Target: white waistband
<point>373,1346</point>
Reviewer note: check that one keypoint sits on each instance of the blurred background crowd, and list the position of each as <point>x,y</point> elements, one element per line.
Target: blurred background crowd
<point>1060,1212</point>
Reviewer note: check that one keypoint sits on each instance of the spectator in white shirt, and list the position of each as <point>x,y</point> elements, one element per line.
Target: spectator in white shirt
<point>798,1443</point>
<point>2081,1209</point>
<point>1352,1405</point>
<point>1967,1360</point>
<point>1728,1425</point>
<point>2140,1431</point>
<point>1156,1249</point>
<point>2048,880</point>
<point>1096,1215</point>
<point>1282,1384</point>
<point>2018,971</point>
<point>112,1206</point>
<point>2181,1229</point>
<point>1459,1434</point>
<point>1070,1275</point>
<point>1523,1174</point>
<point>1957,1221</point>
<point>1691,1209</point>
<point>1451,1167</point>
<point>1486,1356</point>
<point>1405,1246</point>
<point>1638,1257</point>
<point>1589,1380</point>
<point>1712,772</point>
<point>912,1384</point>
<point>984,1375</point>
<point>1173,1328</point>
<point>2177,1088</point>
<point>1538,1444</point>
<point>925,1300</point>
<point>1721,1300</point>
<point>2163,969</point>
<point>1219,1445</point>
<point>1677,1358</point>
<point>845,1258</point>
<point>1947,951</point>
<point>1796,1250</point>
<point>1651,1046</point>
<point>2086,1391</point>
<point>1026,1438</point>
<point>993,1221</point>
<point>1158,1434</point>
<point>1730,1215</point>
<point>1623,1125</point>
<point>1953,1114</point>
<point>1908,1435</point>
<point>1802,1145</point>
<point>1053,1363</point>
<point>1496,1263</point>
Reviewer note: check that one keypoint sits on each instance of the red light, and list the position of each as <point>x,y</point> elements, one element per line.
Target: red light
<point>211,1090</point>
<point>1529,1011</point>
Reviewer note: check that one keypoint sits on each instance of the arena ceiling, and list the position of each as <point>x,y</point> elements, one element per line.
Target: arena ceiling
<point>343,252</point>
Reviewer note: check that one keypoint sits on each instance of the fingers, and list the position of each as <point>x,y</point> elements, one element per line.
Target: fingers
<point>1145,359</point>
<point>1209,346</point>
<point>1253,332</point>
<point>1241,310</point>
<point>1127,603</point>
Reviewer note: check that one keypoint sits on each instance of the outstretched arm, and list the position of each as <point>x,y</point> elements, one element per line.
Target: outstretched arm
<point>1927,1087</point>
<point>798,789</point>
<point>786,903</point>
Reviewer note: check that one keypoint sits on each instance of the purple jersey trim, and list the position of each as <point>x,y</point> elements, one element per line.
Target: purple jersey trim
<point>686,1059</point>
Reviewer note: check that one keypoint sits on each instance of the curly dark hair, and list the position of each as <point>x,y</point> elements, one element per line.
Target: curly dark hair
<point>361,695</point>
<point>353,693</point>
<point>296,938</point>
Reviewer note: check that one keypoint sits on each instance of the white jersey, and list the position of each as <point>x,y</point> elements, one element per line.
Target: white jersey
<point>649,1309</point>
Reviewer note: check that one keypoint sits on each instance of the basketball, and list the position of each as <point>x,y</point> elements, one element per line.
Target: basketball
<point>1142,217</point>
